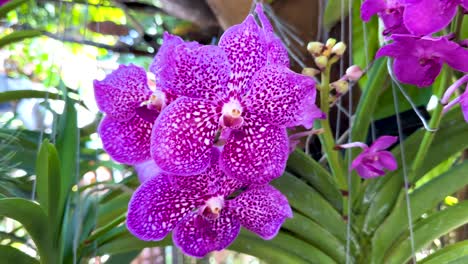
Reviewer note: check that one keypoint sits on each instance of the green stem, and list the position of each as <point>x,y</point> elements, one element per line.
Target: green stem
<point>105,228</point>
<point>433,123</point>
<point>326,138</point>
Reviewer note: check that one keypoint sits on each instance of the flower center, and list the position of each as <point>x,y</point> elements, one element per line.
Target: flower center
<point>212,208</point>
<point>231,114</point>
<point>156,101</point>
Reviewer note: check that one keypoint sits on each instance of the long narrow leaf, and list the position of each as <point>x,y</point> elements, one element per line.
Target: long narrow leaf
<point>12,255</point>
<point>449,254</point>
<point>17,36</point>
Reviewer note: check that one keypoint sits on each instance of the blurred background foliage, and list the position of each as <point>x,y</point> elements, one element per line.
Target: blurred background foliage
<point>64,200</point>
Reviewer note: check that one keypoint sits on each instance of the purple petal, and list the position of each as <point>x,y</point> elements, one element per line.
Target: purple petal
<point>371,7</point>
<point>191,69</point>
<point>261,210</point>
<point>368,172</point>
<point>183,136</point>
<point>383,143</point>
<point>158,205</point>
<point>246,48</point>
<point>282,97</point>
<point>417,19</point>
<point>122,91</point>
<point>277,52</point>
<point>197,236</point>
<point>412,70</point>
<point>257,153</point>
<point>464,104</point>
<point>359,159</point>
<point>128,141</point>
<point>147,170</point>
<point>387,160</point>
<point>452,53</point>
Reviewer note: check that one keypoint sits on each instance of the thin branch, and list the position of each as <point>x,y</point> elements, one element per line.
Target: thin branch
<point>119,49</point>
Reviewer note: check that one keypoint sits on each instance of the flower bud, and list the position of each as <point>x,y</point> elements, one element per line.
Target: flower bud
<point>315,48</point>
<point>310,72</point>
<point>321,62</point>
<point>354,73</point>
<point>339,49</point>
<point>341,86</point>
<point>330,43</point>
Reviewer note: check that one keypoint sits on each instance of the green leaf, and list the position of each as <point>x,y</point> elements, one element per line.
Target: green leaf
<point>310,203</point>
<point>449,254</point>
<point>422,200</point>
<point>12,255</point>
<point>9,96</point>
<point>48,180</point>
<point>34,220</point>
<point>18,36</point>
<point>427,230</point>
<point>314,234</point>
<point>332,12</point>
<point>4,9</point>
<point>126,257</point>
<point>312,172</point>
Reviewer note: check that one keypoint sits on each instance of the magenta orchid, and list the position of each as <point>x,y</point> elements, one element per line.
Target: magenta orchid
<point>462,99</point>
<point>131,108</point>
<point>203,211</point>
<point>391,13</point>
<point>372,161</point>
<point>239,93</point>
<point>419,60</point>
<point>424,17</point>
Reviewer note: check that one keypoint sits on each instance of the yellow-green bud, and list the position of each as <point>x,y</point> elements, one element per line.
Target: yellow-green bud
<point>315,48</point>
<point>339,49</point>
<point>321,62</point>
<point>341,86</point>
<point>310,72</point>
<point>330,43</point>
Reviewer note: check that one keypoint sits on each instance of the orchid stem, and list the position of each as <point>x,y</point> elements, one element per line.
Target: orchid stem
<point>433,123</point>
<point>326,138</point>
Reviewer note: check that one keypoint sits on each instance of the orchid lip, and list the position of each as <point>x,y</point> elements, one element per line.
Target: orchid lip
<point>157,101</point>
<point>212,208</point>
<point>232,114</point>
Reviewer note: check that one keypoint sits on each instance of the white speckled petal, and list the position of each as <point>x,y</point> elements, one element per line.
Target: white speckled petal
<point>257,153</point>
<point>197,236</point>
<point>183,135</point>
<point>127,141</point>
<point>262,210</point>
<point>122,91</point>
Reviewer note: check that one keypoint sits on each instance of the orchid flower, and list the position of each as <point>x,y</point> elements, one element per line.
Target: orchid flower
<point>204,211</point>
<point>462,99</point>
<point>240,93</point>
<point>131,108</point>
<point>419,60</point>
<point>372,161</point>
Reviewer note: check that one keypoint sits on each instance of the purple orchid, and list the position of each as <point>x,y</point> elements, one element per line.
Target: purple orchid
<point>390,11</point>
<point>147,170</point>
<point>131,108</point>
<point>372,161</point>
<point>424,17</point>
<point>419,60</point>
<point>462,99</point>
<point>239,93</point>
<point>203,210</point>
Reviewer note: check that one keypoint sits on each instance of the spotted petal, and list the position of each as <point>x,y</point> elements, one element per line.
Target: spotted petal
<point>257,153</point>
<point>183,135</point>
<point>197,236</point>
<point>261,210</point>
<point>246,49</point>
<point>190,69</point>
<point>282,97</point>
<point>418,21</point>
<point>122,91</point>
<point>158,205</point>
<point>147,170</point>
<point>277,52</point>
<point>128,141</point>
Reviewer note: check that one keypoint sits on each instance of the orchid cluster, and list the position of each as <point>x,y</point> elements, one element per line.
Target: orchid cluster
<point>418,55</point>
<point>207,135</point>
